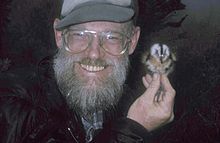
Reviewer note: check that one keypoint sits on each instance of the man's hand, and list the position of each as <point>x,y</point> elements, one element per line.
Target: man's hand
<point>154,108</point>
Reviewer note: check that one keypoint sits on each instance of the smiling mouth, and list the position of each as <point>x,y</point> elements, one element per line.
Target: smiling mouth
<point>92,68</point>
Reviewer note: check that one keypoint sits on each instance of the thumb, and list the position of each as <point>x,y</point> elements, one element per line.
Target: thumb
<point>153,87</point>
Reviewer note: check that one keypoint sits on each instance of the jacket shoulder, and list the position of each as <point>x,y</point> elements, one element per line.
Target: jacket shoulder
<point>20,103</point>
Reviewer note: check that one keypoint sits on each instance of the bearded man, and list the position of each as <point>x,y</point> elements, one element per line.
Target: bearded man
<point>94,40</point>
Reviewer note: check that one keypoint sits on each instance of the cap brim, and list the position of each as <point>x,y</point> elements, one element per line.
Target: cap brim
<point>98,12</point>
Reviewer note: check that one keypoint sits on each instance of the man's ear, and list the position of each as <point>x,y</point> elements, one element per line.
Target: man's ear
<point>134,40</point>
<point>58,34</point>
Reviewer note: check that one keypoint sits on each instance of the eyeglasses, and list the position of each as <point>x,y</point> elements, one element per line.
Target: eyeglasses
<point>77,41</point>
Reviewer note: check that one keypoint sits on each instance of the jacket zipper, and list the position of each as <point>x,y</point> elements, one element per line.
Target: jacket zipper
<point>71,133</point>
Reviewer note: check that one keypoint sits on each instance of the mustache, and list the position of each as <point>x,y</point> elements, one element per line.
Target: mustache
<point>95,62</point>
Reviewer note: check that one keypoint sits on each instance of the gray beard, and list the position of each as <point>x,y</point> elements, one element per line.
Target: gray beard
<point>85,99</point>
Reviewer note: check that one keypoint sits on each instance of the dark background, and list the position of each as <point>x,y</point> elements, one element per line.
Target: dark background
<point>27,39</point>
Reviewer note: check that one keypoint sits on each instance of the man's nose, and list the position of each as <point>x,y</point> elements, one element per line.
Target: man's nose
<point>94,50</point>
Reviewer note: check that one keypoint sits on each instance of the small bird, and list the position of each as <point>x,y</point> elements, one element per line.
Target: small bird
<point>160,59</point>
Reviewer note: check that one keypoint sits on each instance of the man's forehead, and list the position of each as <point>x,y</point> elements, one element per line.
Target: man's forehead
<point>99,26</point>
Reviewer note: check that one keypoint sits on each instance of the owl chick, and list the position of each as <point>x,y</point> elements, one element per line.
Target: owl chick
<point>160,59</point>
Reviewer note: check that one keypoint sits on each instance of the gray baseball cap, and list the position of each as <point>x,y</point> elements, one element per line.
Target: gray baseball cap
<point>80,11</point>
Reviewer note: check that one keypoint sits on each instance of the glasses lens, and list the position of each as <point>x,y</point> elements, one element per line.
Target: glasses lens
<point>76,41</point>
<point>113,43</point>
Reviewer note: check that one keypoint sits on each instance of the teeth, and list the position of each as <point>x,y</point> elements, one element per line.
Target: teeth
<point>92,68</point>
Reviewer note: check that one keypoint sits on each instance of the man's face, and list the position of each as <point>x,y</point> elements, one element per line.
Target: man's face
<point>92,79</point>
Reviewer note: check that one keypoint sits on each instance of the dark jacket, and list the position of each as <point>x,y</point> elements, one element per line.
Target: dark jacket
<point>32,110</point>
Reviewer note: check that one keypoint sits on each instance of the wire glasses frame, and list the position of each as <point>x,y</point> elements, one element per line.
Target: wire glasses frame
<point>77,41</point>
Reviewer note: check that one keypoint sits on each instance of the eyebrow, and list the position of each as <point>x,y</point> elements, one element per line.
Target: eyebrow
<point>82,27</point>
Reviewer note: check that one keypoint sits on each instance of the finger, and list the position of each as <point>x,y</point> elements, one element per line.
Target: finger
<point>153,87</point>
<point>159,96</point>
<point>166,84</point>
<point>172,117</point>
<point>146,80</point>
<point>169,92</point>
